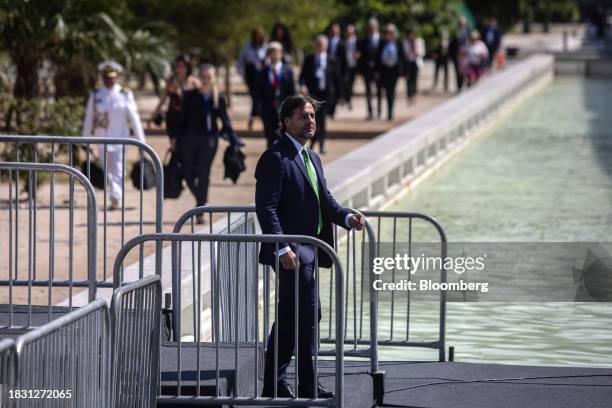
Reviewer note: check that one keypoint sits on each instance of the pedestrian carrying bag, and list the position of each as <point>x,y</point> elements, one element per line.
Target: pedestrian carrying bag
<point>173,175</point>
<point>148,174</point>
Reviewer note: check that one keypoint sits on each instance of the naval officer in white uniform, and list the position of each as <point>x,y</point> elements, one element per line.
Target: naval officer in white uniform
<point>111,111</point>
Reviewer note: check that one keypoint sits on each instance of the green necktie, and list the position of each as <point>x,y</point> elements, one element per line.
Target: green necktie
<point>313,181</point>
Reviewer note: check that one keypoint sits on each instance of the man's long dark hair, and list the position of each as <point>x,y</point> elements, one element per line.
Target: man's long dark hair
<point>290,104</point>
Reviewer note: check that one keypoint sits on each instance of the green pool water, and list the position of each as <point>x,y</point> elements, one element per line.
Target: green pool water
<point>542,174</point>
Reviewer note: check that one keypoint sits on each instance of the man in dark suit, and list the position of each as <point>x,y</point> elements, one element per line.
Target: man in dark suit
<point>320,78</point>
<point>274,84</point>
<point>368,51</point>
<point>492,39</point>
<point>337,50</point>
<point>291,197</point>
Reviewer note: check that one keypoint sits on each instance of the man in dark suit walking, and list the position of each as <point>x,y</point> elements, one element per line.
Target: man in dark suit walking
<point>274,84</point>
<point>291,197</point>
<point>320,78</point>
<point>368,51</point>
<point>337,50</point>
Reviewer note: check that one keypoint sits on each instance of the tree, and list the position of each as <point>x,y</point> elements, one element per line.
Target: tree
<point>74,35</point>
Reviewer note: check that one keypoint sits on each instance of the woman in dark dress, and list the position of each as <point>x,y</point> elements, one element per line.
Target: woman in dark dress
<point>199,133</point>
<point>180,82</point>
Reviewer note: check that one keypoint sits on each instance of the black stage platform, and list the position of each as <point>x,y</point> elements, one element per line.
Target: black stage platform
<point>460,385</point>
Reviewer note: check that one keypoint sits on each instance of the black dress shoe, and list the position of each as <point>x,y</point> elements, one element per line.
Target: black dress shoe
<point>322,392</point>
<point>283,390</point>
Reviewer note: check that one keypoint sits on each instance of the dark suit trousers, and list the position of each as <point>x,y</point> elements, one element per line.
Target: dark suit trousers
<point>412,76</point>
<point>286,328</point>
<point>320,117</point>
<point>350,81</point>
<point>368,78</point>
<point>197,153</point>
<point>388,80</point>
<point>271,124</point>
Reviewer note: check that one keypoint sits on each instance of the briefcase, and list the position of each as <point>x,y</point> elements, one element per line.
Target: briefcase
<point>173,175</point>
<point>96,174</point>
<point>148,174</point>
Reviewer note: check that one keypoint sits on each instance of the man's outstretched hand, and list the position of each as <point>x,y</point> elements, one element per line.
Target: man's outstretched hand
<point>357,221</point>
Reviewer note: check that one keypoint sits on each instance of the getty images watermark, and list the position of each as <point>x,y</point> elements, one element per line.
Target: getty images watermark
<point>494,271</point>
<point>414,264</point>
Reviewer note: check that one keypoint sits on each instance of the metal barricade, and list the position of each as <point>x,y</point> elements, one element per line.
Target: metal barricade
<point>8,371</point>
<point>67,360</point>
<point>135,315</point>
<point>389,226</point>
<point>350,246</point>
<point>361,301</point>
<point>238,220</point>
<point>118,225</point>
<point>23,284</point>
<point>193,378</point>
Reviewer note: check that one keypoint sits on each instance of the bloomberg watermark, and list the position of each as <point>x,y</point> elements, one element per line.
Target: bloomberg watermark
<point>494,272</point>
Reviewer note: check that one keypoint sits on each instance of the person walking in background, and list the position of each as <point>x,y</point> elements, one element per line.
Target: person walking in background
<point>476,58</point>
<point>320,79</point>
<point>352,57</point>
<point>492,39</point>
<point>390,64</point>
<point>414,50</point>
<point>337,51</point>
<point>199,133</point>
<point>111,111</point>
<point>180,81</point>
<point>291,197</point>
<point>368,51</point>
<point>250,61</point>
<point>280,33</point>
<point>274,85</point>
<point>440,56</point>
<point>455,46</point>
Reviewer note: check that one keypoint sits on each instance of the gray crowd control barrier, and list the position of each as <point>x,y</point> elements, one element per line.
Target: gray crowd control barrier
<point>66,362</point>
<point>395,228</point>
<point>229,372</point>
<point>8,370</point>
<point>361,301</point>
<point>29,288</point>
<point>70,361</point>
<point>135,313</point>
<point>129,219</point>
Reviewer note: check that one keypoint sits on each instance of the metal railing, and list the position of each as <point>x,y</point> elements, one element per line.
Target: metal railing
<point>389,228</point>
<point>8,371</point>
<point>116,226</point>
<point>67,360</point>
<point>353,246</point>
<point>25,286</point>
<point>189,390</point>
<point>135,313</point>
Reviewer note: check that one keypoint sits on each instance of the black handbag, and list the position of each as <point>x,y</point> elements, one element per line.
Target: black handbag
<point>96,174</point>
<point>233,159</point>
<point>173,175</point>
<point>148,174</point>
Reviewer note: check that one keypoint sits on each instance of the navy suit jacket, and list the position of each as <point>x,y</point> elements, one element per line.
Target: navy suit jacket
<point>286,202</point>
<point>267,98</point>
